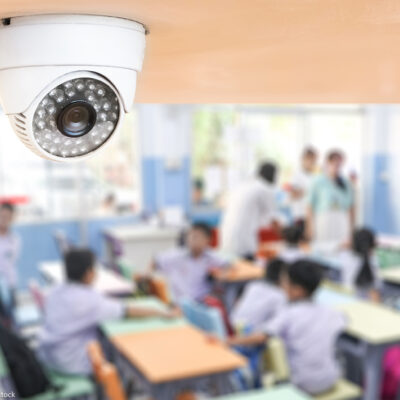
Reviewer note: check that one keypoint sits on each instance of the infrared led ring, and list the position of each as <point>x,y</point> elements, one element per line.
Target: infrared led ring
<point>76,117</point>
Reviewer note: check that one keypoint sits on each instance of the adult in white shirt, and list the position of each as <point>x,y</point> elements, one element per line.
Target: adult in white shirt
<point>301,184</point>
<point>251,206</point>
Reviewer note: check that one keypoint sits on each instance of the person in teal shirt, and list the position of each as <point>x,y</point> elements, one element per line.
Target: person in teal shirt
<point>331,204</point>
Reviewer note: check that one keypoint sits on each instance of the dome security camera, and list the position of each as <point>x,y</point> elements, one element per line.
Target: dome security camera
<point>66,81</point>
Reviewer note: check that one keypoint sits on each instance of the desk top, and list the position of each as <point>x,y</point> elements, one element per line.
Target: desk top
<point>281,392</point>
<point>373,323</point>
<point>135,325</point>
<point>177,353</point>
<point>140,232</point>
<point>107,281</point>
<point>241,271</point>
<point>391,275</point>
<point>330,297</point>
<point>389,241</point>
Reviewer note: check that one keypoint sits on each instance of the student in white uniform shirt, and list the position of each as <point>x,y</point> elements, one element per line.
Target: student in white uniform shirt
<point>301,184</point>
<point>292,236</point>
<point>188,269</point>
<point>308,330</point>
<point>251,206</point>
<point>261,300</point>
<point>9,253</point>
<point>73,312</point>
<point>359,265</point>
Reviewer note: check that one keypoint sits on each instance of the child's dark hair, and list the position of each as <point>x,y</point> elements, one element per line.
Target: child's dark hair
<point>77,263</point>
<point>292,234</point>
<point>305,273</point>
<point>203,227</point>
<point>7,206</point>
<point>274,271</point>
<point>309,152</point>
<point>267,171</point>
<point>198,184</point>
<point>363,243</point>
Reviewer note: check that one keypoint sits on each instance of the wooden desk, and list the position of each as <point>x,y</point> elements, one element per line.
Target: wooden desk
<point>372,323</point>
<point>139,243</point>
<point>107,281</point>
<point>391,275</point>
<point>271,250</point>
<point>236,277</point>
<point>389,242</point>
<point>241,271</point>
<point>377,328</point>
<point>281,392</point>
<point>176,359</point>
<point>126,326</point>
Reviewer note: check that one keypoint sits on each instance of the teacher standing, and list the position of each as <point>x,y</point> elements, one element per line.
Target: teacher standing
<point>331,204</point>
<point>251,206</point>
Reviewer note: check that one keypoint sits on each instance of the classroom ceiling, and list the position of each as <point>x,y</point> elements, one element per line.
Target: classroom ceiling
<point>256,51</point>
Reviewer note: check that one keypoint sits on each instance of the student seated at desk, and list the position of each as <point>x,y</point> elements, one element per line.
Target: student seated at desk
<point>308,330</point>
<point>292,236</point>
<point>73,312</point>
<point>188,269</point>
<point>261,300</point>
<point>359,265</point>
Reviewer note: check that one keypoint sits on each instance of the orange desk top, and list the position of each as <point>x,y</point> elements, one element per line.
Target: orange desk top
<point>176,353</point>
<point>270,250</point>
<point>241,271</point>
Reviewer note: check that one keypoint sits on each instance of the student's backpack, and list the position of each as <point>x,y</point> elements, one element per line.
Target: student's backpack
<point>26,372</point>
<point>391,374</point>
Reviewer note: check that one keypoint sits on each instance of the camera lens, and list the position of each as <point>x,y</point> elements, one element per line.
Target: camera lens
<point>76,119</point>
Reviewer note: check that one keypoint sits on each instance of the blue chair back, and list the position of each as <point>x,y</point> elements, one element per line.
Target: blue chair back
<point>206,318</point>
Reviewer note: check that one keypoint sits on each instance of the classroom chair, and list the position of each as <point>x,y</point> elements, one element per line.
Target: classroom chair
<point>116,252</point>
<point>343,390</point>
<point>37,294</point>
<point>155,285</point>
<point>108,378</point>
<point>27,315</point>
<point>159,288</point>
<point>105,373</point>
<point>63,244</point>
<point>280,371</point>
<point>125,268</point>
<point>268,235</point>
<point>73,387</point>
<point>206,318</point>
<point>214,241</point>
<point>276,363</point>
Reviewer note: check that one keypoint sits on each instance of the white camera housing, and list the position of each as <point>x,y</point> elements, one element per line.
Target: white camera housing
<point>66,81</point>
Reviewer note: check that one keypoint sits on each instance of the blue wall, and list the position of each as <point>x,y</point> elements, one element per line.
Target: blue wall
<point>380,209</point>
<point>163,186</point>
<point>38,243</point>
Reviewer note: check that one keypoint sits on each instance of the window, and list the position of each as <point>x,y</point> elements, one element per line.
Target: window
<point>230,141</point>
<point>53,190</point>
